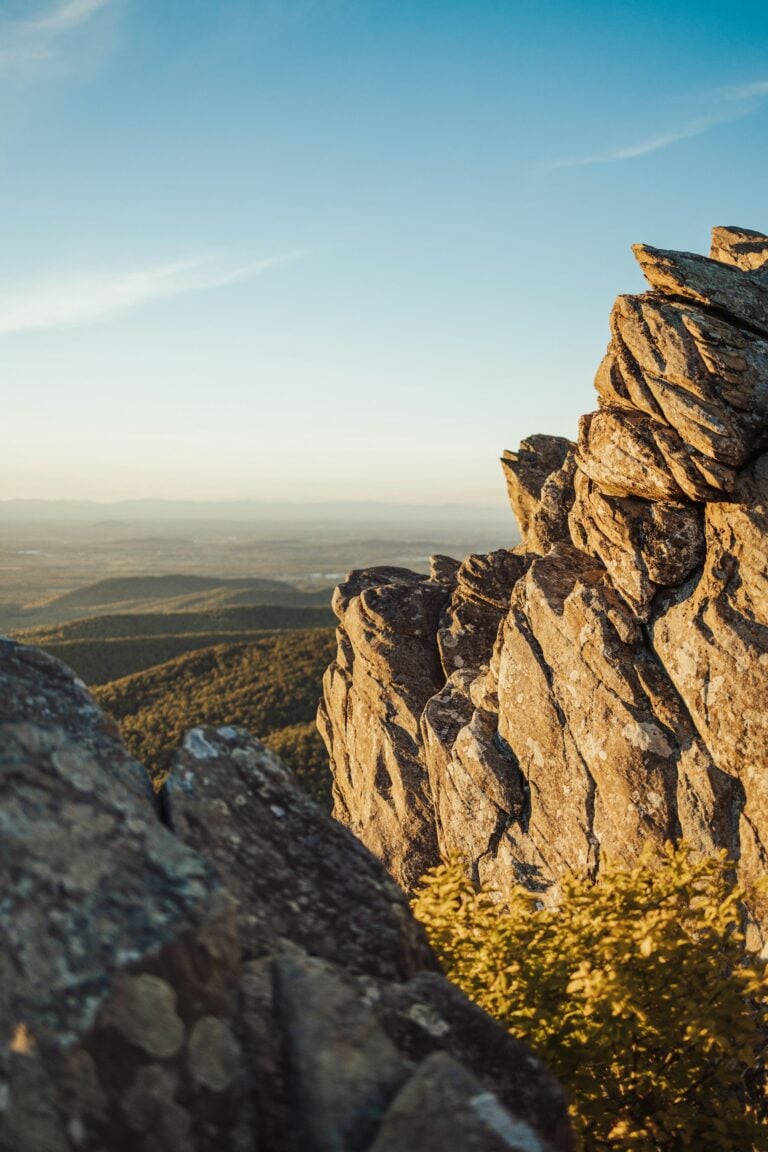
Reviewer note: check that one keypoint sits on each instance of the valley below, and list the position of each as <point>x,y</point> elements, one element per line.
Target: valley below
<point>178,622</point>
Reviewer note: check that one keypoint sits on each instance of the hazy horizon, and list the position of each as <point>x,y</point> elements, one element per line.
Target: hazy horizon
<point>305,249</point>
<point>157,508</point>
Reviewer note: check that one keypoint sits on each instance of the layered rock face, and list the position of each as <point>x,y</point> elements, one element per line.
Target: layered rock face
<point>604,684</point>
<point>223,969</point>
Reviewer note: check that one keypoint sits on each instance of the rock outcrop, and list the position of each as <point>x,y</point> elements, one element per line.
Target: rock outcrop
<point>223,968</point>
<point>604,683</point>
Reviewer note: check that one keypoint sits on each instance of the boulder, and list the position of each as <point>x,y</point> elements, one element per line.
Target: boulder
<point>120,956</point>
<point>342,999</point>
<point>227,969</point>
<point>233,801</point>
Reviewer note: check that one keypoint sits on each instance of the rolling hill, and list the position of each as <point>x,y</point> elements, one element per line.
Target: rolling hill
<point>150,595</point>
<point>270,684</point>
<point>104,648</point>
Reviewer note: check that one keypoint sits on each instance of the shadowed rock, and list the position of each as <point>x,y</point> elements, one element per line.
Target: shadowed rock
<point>120,960</point>
<point>342,1002</point>
<point>233,800</point>
<point>37,688</point>
<point>279,998</point>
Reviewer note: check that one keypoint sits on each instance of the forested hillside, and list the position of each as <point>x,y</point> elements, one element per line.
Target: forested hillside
<point>270,685</point>
<point>105,648</point>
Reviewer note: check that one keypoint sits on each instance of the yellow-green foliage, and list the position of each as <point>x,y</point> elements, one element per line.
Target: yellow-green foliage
<point>636,991</point>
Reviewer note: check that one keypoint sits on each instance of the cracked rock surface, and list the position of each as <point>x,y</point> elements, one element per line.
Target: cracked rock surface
<point>225,969</point>
<point>614,693</point>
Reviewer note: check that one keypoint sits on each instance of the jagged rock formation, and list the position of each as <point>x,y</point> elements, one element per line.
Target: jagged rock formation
<point>224,969</point>
<point>603,685</point>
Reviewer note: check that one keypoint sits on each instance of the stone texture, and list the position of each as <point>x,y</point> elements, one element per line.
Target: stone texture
<point>387,667</point>
<point>549,524</point>
<point>644,545</point>
<point>622,699</point>
<point>526,472</point>
<point>698,373</point>
<point>117,941</point>
<point>38,689</point>
<point>282,1000</point>
<point>477,787</point>
<point>742,296</point>
<point>443,1105</point>
<point>480,599</point>
<point>713,638</point>
<point>341,997</point>
<point>233,800</point>
<point>342,1070</point>
<point>427,1015</point>
<point>627,453</point>
<point>739,246</point>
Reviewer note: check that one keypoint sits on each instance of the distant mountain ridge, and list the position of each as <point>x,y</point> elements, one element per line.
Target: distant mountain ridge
<point>110,514</point>
<point>228,603</point>
<point>116,588</point>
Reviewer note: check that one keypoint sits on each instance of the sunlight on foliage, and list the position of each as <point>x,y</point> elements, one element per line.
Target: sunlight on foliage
<point>636,991</point>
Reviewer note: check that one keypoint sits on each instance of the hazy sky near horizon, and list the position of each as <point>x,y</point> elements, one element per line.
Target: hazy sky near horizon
<point>334,249</point>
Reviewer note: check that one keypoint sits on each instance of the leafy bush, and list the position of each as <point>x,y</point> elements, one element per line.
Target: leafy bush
<point>636,990</point>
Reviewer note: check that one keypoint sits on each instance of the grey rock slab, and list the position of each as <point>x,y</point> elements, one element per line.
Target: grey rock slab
<point>444,1106</point>
<point>428,1015</point>
<point>37,688</point>
<point>117,941</point>
<point>341,1069</point>
<point>296,874</point>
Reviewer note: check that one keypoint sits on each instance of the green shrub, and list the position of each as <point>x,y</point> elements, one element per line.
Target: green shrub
<point>636,990</point>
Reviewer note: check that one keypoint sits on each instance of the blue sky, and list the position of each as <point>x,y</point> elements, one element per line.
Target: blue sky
<point>322,249</point>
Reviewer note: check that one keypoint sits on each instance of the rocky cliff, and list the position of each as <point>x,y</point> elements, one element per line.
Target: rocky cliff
<point>604,684</point>
<point>227,970</point>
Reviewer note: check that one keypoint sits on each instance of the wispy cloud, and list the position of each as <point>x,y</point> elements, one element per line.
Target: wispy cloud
<point>75,301</point>
<point>728,104</point>
<point>36,39</point>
